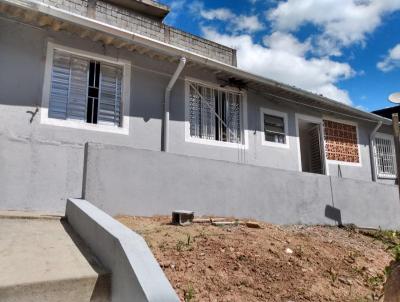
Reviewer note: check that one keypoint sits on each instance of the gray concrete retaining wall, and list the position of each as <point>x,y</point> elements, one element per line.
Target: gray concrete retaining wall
<point>141,182</point>
<point>135,273</point>
<point>39,174</point>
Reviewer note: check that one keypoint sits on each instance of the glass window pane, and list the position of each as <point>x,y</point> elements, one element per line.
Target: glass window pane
<point>276,138</point>
<point>274,123</point>
<point>274,129</point>
<point>214,114</point>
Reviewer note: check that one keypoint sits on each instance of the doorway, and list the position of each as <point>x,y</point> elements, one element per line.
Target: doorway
<point>312,155</point>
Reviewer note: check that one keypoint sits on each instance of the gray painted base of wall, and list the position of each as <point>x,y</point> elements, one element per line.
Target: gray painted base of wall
<point>39,175</point>
<point>123,180</point>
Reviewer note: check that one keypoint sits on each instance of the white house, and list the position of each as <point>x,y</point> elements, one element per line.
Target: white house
<point>110,72</point>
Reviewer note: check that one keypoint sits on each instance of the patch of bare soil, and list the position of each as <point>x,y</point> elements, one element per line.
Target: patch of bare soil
<point>274,263</point>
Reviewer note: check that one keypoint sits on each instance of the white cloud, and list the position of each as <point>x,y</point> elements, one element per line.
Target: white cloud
<point>342,22</point>
<point>223,14</point>
<point>235,23</point>
<point>287,43</point>
<point>282,58</point>
<point>176,7</point>
<point>391,61</point>
<point>247,23</point>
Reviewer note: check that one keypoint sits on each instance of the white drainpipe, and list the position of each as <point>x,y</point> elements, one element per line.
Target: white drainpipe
<point>371,150</point>
<point>168,89</point>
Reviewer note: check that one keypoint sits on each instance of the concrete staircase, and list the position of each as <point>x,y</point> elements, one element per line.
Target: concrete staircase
<point>42,259</point>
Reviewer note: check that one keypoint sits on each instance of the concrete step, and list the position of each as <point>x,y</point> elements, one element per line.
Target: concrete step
<point>44,260</point>
<point>91,288</point>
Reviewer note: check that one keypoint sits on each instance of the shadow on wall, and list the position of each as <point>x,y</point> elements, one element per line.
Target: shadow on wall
<point>333,214</point>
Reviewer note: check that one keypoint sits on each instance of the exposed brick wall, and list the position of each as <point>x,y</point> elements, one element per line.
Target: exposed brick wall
<point>128,20</point>
<point>73,6</point>
<point>132,21</point>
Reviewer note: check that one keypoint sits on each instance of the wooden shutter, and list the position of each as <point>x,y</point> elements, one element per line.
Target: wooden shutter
<point>316,158</point>
<point>110,95</point>
<point>68,93</point>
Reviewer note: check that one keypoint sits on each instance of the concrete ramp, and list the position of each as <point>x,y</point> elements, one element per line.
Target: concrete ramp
<point>136,274</point>
<point>42,259</point>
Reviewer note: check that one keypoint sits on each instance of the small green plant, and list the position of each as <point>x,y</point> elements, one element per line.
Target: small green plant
<point>396,252</point>
<point>179,245</point>
<point>387,271</point>
<point>189,293</point>
<point>376,281</point>
<point>182,244</point>
<point>333,275</point>
<point>386,236</point>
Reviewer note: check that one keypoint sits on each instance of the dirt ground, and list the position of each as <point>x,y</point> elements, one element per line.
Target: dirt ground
<point>274,263</point>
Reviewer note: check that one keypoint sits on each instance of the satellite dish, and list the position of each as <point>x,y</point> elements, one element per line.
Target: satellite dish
<point>395,98</point>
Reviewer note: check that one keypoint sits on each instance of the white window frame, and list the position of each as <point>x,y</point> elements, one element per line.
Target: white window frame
<point>338,162</point>
<point>276,113</point>
<point>125,98</point>
<point>391,138</point>
<point>204,141</point>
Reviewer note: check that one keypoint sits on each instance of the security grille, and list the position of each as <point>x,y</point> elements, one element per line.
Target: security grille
<point>385,157</point>
<point>85,90</point>
<point>215,114</point>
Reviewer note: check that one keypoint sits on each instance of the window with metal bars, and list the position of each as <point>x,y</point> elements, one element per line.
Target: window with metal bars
<point>85,90</point>
<point>215,114</point>
<point>385,156</point>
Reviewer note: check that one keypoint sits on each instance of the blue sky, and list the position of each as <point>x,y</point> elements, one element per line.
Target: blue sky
<point>348,50</point>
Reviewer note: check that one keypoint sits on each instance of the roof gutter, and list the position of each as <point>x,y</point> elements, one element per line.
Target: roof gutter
<point>372,150</point>
<point>167,99</point>
<point>177,51</point>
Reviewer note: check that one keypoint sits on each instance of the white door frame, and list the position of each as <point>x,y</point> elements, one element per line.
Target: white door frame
<point>314,120</point>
